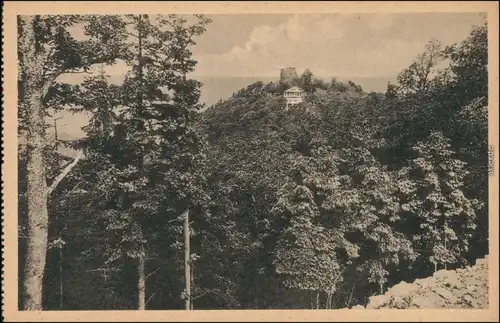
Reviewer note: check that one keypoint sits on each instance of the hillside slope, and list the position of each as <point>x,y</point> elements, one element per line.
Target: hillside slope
<point>346,194</point>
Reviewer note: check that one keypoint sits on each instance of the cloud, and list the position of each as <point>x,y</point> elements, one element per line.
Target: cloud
<point>341,45</point>
<point>286,44</point>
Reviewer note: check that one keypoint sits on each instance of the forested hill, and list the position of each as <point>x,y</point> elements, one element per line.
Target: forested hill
<point>246,205</point>
<point>349,193</point>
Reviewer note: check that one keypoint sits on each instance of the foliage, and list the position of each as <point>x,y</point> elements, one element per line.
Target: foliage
<point>325,203</point>
<point>434,197</point>
<point>350,172</point>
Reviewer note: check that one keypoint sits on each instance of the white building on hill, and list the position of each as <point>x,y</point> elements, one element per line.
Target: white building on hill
<point>294,95</point>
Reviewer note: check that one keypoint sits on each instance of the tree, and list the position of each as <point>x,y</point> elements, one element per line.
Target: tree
<point>363,205</point>
<point>46,50</point>
<point>469,65</point>
<point>306,81</point>
<point>305,252</point>
<point>391,91</point>
<point>417,78</point>
<point>116,117</point>
<point>355,87</point>
<point>309,254</point>
<point>434,201</point>
<point>464,100</point>
<point>160,150</point>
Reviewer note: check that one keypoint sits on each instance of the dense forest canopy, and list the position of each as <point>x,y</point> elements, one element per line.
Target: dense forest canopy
<point>319,206</point>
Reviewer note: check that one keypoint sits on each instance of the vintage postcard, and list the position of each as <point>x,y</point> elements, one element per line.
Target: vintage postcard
<point>249,161</point>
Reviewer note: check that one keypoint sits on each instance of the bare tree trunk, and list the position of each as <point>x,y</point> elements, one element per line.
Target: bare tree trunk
<point>37,186</point>
<point>34,88</point>
<point>445,264</point>
<point>61,278</point>
<point>350,297</point>
<point>192,283</point>
<point>38,221</point>
<point>141,286</point>
<point>187,270</point>
<point>142,276</point>
<point>317,300</point>
<point>140,61</point>
<point>37,190</point>
<point>332,294</point>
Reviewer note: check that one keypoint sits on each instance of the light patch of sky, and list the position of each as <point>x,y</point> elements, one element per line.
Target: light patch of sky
<point>223,33</point>
<point>342,45</point>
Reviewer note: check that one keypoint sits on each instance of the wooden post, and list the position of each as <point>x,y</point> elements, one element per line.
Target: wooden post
<point>187,269</point>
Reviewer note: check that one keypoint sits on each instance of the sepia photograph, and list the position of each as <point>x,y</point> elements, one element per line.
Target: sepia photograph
<point>287,160</point>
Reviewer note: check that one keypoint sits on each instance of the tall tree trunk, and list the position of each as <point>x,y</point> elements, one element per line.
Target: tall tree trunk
<point>38,221</point>
<point>141,286</point>
<point>445,263</point>
<point>34,62</point>
<point>317,300</point>
<point>330,302</point>
<point>141,267</point>
<point>192,283</point>
<point>61,290</point>
<point>140,62</point>
<point>31,103</point>
<point>187,270</point>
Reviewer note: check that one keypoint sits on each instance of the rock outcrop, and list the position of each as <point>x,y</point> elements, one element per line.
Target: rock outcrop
<point>461,288</point>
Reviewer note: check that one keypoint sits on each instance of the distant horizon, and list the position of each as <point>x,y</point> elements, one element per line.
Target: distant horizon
<point>373,48</point>
<point>224,89</point>
<point>214,88</point>
<point>214,91</point>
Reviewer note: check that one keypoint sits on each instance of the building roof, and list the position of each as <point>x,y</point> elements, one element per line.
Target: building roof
<point>295,89</point>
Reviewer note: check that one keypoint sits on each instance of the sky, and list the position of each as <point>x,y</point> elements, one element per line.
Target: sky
<point>252,47</point>
<point>341,45</point>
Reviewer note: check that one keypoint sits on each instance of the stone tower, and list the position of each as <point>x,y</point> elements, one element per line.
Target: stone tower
<point>288,75</point>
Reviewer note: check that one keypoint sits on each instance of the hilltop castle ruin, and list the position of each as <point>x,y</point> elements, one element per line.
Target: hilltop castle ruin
<point>288,75</point>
